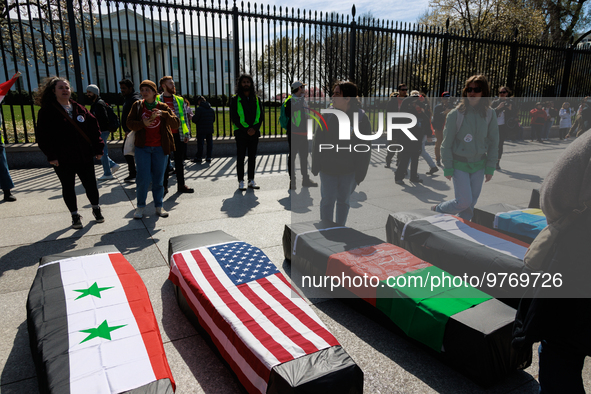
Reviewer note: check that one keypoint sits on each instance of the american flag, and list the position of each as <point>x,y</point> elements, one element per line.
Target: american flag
<point>248,308</point>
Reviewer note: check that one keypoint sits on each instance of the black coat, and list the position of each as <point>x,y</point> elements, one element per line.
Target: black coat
<point>99,111</point>
<point>204,117</point>
<point>129,100</point>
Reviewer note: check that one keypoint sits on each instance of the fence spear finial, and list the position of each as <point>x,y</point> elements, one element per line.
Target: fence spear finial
<point>353,11</point>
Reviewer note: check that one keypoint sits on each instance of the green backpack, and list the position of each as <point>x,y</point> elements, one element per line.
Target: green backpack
<point>283,118</point>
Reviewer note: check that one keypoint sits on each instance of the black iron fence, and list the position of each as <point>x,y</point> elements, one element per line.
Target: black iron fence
<point>206,45</point>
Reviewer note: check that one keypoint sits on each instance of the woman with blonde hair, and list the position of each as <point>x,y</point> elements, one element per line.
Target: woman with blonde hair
<point>470,147</point>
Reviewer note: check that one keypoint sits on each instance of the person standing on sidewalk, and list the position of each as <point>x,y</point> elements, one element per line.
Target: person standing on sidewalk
<point>98,109</point>
<point>177,105</point>
<point>70,137</point>
<point>566,114</point>
<point>297,136</point>
<point>204,119</point>
<point>439,114</point>
<point>130,96</point>
<point>394,106</point>
<point>506,110</point>
<point>539,117</point>
<point>552,114</point>
<point>5,178</point>
<point>246,114</point>
<point>470,147</point>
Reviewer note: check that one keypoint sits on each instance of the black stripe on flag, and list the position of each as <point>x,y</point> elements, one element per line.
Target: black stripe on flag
<point>47,322</point>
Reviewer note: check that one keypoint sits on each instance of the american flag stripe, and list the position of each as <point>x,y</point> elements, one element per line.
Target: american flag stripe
<point>270,309</point>
<point>267,334</point>
<point>275,285</point>
<point>253,375</point>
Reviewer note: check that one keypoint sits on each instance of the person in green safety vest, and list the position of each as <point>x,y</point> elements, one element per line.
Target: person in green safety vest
<point>246,114</point>
<point>295,109</point>
<point>180,135</point>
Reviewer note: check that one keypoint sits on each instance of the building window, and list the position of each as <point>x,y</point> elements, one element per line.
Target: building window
<point>99,59</point>
<point>211,65</point>
<point>212,88</point>
<point>123,59</point>
<point>193,63</point>
<point>175,63</point>
<point>226,65</point>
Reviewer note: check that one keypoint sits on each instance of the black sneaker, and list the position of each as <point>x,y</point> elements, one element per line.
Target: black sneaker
<point>130,178</point>
<point>98,215</point>
<point>309,183</point>
<point>400,182</point>
<point>439,163</point>
<point>432,171</point>
<point>8,196</point>
<point>416,180</point>
<point>76,222</point>
<point>208,160</point>
<point>498,166</point>
<point>197,161</point>
<point>185,189</point>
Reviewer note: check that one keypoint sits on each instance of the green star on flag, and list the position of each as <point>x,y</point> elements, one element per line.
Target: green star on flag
<point>102,331</point>
<point>93,290</point>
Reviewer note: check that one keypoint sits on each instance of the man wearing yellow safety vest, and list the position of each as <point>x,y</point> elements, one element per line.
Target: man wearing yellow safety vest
<point>295,110</point>
<point>176,103</point>
<point>246,114</point>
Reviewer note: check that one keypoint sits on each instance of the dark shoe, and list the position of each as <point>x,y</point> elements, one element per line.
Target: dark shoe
<point>171,171</point>
<point>439,163</point>
<point>309,183</point>
<point>130,178</point>
<point>292,184</point>
<point>76,222</point>
<point>197,161</point>
<point>208,160</point>
<point>387,165</point>
<point>498,166</point>
<point>165,191</point>
<point>400,182</point>
<point>432,171</point>
<point>416,180</point>
<point>8,196</point>
<point>98,216</point>
<point>186,189</point>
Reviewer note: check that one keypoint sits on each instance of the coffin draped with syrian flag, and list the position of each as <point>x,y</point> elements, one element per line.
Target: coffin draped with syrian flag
<point>461,248</point>
<point>521,223</point>
<point>267,334</point>
<point>92,328</point>
<point>467,328</point>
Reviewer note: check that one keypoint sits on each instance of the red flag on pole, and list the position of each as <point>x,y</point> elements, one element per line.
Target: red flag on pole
<point>5,87</point>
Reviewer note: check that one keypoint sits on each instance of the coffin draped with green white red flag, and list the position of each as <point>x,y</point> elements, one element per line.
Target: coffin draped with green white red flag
<point>461,248</point>
<point>467,328</point>
<point>92,328</point>
<point>522,223</point>
<point>268,335</point>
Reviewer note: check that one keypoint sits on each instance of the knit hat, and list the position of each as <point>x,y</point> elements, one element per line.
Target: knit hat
<point>93,89</point>
<point>149,84</point>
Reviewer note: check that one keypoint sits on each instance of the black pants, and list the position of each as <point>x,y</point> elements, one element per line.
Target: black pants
<point>246,142</point>
<point>297,146</point>
<point>67,176</point>
<point>179,165</point>
<point>201,138</point>
<point>503,131</point>
<point>130,159</point>
<point>411,152</point>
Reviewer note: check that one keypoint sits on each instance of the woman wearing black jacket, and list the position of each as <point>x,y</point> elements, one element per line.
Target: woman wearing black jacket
<point>70,138</point>
<point>507,113</point>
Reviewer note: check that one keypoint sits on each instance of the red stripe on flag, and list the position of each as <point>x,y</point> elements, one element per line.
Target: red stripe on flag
<point>141,307</point>
<point>277,320</point>
<point>297,312</point>
<point>293,289</point>
<point>255,363</point>
<point>492,232</point>
<point>5,87</point>
<point>280,353</point>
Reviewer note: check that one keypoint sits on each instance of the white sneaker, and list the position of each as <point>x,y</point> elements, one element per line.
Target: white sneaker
<point>253,185</point>
<point>115,168</point>
<point>241,186</point>
<point>161,212</point>
<point>106,177</point>
<point>139,213</point>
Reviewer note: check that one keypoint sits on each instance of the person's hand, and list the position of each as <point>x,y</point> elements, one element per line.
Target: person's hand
<point>98,157</point>
<point>251,131</point>
<point>148,122</point>
<point>487,177</point>
<point>156,113</point>
<point>448,177</point>
<point>54,163</point>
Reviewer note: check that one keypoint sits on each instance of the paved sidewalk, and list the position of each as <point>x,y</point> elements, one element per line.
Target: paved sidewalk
<point>38,224</point>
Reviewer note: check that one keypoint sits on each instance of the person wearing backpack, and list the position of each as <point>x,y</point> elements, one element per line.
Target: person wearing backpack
<point>294,119</point>
<point>204,119</point>
<point>100,110</point>
<point>470,147</point>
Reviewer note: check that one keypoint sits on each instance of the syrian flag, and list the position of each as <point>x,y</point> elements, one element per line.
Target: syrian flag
<point>5,87</point>
<point>528,222</point>
<point>248,309</point>
<point>94,326</point>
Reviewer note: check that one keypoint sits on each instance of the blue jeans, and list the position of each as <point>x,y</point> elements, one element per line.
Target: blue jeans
<point>5,179</point>
<point>426,154</point>
<point>560,369</point>
<point>547,128</point>
<point>106,160</point>
<point>467,189</point>
<point>336,189</point>
<point>151,163</point>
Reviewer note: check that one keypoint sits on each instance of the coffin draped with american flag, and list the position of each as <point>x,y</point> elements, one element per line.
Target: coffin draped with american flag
<point>92,328</point>
<point>467,328</point>
<point>461,247</point>
<point>523,224</point>
<point>265,332</point>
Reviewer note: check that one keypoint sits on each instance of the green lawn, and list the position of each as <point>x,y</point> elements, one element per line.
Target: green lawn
<point>222,126</point>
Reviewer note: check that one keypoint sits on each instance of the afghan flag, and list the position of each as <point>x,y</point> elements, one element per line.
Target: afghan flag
<point>93,330</point>
<point>250,312</point>
<point>5,87</point>
<point>527,222</point>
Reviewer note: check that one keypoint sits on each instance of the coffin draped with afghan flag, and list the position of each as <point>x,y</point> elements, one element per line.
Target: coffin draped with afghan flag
<point>267,334</point>
<point>467,328</point>
<point>522,223</point>
<point>92,328</point>
<point>461,248</point>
